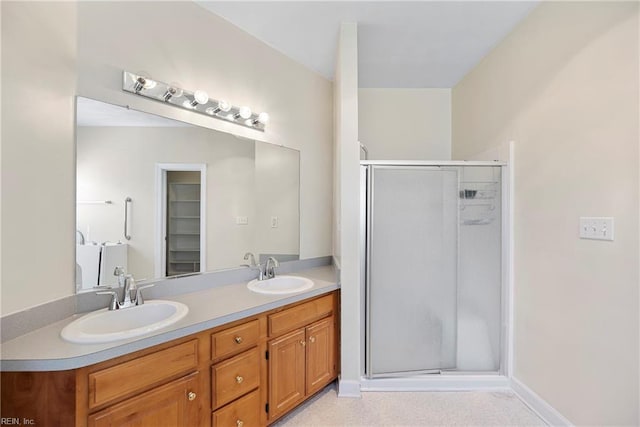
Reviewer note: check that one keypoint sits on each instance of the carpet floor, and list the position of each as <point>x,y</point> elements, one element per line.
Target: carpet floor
<point>474,408</point>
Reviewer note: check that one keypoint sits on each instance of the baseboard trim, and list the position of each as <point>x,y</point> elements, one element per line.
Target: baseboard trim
<point>437,383</point>
<point>349,388</point>
<point>538,405</point>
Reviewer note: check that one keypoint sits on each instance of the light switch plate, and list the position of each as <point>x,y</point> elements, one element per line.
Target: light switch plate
<point>242,220</point>
<point>274,222</point>
<point>597,228</point>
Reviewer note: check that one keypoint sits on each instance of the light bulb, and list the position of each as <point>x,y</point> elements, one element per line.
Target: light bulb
<point>263,118</point>
<point>224,106</point>
<point>143,82</point>
<point>150,84</point>
<point>248,122</point>
<point>173,91</point>
<point>201,96</point>
<point>245,112</point>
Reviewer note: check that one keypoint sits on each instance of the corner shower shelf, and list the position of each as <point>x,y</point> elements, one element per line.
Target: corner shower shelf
<point>477,202</point>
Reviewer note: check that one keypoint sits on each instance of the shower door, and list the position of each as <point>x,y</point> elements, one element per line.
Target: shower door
<point>411,267</point>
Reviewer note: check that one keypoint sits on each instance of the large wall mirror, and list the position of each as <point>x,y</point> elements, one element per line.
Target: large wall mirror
<point>164,198</point>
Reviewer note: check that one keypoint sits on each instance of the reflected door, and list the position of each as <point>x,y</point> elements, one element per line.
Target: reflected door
<point>411,269</point>
<point>182,211</point>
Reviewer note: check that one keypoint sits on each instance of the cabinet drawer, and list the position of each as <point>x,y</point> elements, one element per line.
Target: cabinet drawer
<point>300,315</point>
<point>235,377</point>
<point>174,404</point>
<point>244,412</point>
<point>236,339</point>
<point>138,374</point>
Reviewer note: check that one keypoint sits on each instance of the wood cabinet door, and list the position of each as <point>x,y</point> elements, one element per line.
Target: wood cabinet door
<point>173,405</point>
<point>321,367</point>
<point>286,372</point>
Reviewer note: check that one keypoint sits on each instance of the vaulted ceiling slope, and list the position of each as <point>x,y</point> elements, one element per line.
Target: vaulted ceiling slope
<point>401,44</point>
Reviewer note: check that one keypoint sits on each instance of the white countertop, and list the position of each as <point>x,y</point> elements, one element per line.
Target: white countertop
<point>44,349</point>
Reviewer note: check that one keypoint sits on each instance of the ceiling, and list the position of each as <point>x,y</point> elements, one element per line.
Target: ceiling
<point>401,44</point>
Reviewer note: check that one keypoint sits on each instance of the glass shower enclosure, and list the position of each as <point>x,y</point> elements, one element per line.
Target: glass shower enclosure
<point>433,276</point>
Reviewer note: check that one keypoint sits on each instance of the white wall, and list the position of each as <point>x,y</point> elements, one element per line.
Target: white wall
<point>564,86</point>
<point>405,124</point>
<point>43,42</point>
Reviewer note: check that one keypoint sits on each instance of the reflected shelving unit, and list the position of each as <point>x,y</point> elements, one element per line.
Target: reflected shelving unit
<point>183,228</point>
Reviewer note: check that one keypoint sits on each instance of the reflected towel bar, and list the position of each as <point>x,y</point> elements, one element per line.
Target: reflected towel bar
<point>127,201</point>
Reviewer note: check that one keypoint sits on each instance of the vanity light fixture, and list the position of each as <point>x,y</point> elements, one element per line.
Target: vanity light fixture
<point>197,101</point>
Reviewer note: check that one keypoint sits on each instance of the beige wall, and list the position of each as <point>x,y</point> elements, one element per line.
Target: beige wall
<point>347,227</point>
<point>51,45</point>
<point>405,124</point>
<point>564,87</point>
<point>277,194</point>
<point>38,168</point>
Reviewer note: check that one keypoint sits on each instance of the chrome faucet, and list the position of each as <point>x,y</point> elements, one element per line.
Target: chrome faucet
<point>132,294</point>
<point>253,265</point>
<point>270,266</point>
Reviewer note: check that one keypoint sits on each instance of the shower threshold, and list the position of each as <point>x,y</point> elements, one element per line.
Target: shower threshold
<point>443,381</point>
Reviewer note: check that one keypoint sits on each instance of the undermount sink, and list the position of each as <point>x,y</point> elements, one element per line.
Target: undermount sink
<point>112,325</point>
<point>280,285</point>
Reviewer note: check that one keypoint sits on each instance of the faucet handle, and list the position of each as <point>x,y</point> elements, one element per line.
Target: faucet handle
<point>113,305</point>
<point>118,271</point>
<point>270,266</point>
<point>139,298</point>
<point>252,259</point>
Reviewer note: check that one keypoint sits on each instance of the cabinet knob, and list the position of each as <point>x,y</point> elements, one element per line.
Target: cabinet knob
<point>239,423</point>
<point>239,379</point>
<point>238,340</point>
<point>312,339</point>
<point>303,343</point>
<point>191,396</point>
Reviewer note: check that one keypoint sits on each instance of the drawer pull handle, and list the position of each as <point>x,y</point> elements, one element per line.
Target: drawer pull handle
<point>238,340</point>
<point>239,423</point>
<point>239,379</point>
<point>303,343</point>
<point>191,396</point>
<point>312,339</point>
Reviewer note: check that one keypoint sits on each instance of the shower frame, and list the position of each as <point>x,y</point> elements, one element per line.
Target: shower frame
<point>448,380</point>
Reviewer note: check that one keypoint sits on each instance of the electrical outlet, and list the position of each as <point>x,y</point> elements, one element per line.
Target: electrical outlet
<point>597,228</point>
<point>242,220</point>
<point>274,222</point>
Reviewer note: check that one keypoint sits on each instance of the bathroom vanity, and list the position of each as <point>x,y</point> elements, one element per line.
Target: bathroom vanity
<point>246,372</point>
